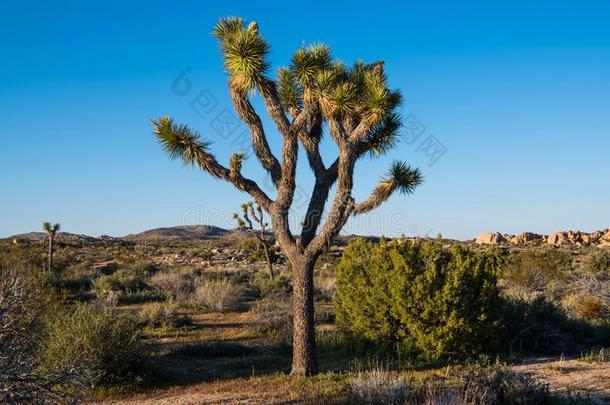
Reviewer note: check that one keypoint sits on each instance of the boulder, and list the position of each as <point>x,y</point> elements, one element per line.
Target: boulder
<point>595,237</point>
<point>490,238</point>
<point>524,238</point>
<point>557,238</point>
<point>574,237</point>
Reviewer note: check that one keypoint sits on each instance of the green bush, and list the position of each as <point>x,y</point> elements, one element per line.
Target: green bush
<point>534,272</point>
<point>101,343</point>
<point>439,302</point>
<point>124,281</point>
<point>264,286</point>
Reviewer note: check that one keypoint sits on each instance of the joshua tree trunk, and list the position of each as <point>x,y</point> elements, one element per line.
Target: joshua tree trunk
<point>304,359</point>
<point>51,231</point>
<point>50,253</point>
<point>268,258</point>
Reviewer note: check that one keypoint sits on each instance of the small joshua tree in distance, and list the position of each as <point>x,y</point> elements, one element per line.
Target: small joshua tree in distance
<point>251,212</point>
<point>51,231</point>
<point>315,95</point>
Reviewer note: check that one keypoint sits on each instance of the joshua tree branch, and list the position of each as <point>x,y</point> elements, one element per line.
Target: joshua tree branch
<point>400,178</point>
<point>246,112</point>
<point>268,91</point>
<point>342,205</point>
<point>180,142</point>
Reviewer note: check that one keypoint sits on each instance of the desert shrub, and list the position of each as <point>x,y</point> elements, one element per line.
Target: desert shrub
<point>125,281</point>
<point>597,261</point>
<point>481,384</point>
<point>140,297</point>
<point>441,302</point>
<point>156,315</point>
<point>541,327</point>
<point>274,316</point>
<point>534,272</point>
<point>264,286</point>
<point>378,386</point>
<point>203,254</point>
<point>597,356</point>
<point>324,284</point>
<point>111,300</point>
<point>596,286</point>
<point>101,342</point>
<point>591,308</point>
<point>219,295</point>
<point>25,302</point>
<point>178,286</point>
<point>76,278</point>
<point>212,349</point>
<point>28,256</point>
<point>258,255</point>
<point>249,245</point>
<point>323,313</point>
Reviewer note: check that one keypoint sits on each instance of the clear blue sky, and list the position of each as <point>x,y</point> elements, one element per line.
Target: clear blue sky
<point>517,93</point>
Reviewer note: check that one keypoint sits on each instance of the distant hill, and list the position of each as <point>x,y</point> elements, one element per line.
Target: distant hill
<point>63,236</point>
<point>185,232</point>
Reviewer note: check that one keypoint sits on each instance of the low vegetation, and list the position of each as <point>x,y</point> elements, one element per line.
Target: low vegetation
<point>101,344</point>
<point>397,322</point>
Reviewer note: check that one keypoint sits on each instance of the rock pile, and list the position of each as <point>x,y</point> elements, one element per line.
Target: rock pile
<point>490,238</point>
<point>577,238</point>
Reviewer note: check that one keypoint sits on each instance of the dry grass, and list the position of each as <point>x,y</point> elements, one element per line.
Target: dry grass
<point>219,295</point>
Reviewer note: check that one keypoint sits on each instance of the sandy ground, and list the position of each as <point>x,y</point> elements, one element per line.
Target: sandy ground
<point>572,377</point>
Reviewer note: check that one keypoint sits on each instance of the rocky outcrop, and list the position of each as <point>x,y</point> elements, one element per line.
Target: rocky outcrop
<point>524,238</point>
<point>557,238</point>
<point>560,238</point>
<point>490,238</point>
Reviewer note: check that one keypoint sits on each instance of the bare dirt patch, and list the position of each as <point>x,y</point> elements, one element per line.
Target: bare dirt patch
<point>571,377</point>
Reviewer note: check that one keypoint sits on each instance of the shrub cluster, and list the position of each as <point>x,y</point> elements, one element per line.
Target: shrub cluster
<point>160,315</point>
<point>130,283</point>
<point>101,343</point>
<point>437,302</point>
<point>537,272</point>
<point>220,295</point>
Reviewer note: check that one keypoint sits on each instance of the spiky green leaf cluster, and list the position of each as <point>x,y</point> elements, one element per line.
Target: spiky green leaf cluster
<point>291,94</point>
<point>359,92</point>
<point>400,177</point>
<point>244,52</point>
<point>307,62</point>
<point>50,228</point>
<point>178,141</point>
<point>404,178</point>
<point>384,136</point>
<point>236,162</point>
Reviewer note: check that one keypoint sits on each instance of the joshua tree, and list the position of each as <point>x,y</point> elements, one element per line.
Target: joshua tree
<point>249,213</point>
<point>313,95</point>
<point>51,231</point>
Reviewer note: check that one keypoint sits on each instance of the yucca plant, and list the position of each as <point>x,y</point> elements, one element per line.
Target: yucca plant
<point>313,95</point>
<point>51,231</point>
